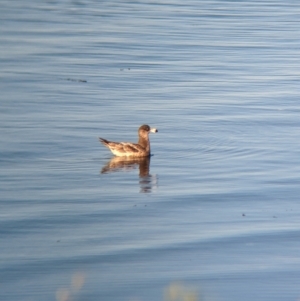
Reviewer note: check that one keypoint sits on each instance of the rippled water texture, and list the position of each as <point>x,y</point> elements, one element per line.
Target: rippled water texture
<point>213,214</point>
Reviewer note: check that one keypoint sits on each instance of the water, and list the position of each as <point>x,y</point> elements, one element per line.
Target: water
<point>214,215</point>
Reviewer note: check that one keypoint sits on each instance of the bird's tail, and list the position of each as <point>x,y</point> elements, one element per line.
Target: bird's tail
<point>104,141</point>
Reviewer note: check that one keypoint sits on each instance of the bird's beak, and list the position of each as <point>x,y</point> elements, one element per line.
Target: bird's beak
<point>153,130</point>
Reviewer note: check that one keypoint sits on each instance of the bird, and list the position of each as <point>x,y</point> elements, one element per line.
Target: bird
<point>128,149</point>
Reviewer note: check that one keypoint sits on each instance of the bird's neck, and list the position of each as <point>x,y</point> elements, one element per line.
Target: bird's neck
<point>144,142</point>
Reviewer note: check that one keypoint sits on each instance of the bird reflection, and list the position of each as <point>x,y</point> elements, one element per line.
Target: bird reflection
<point>147,181</point>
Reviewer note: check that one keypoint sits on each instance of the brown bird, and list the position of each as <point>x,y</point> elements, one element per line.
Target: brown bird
<point>140,149</point>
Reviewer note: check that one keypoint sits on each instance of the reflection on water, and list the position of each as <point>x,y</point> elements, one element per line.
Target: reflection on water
<point>146,182</point>
<point>221,78</point>
<point>68,293</point>
<point>177,292</point>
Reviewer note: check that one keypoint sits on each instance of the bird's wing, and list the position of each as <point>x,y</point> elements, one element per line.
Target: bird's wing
<point>123,148</point>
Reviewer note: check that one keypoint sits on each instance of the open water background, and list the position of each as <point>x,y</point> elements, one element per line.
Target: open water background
<point>215,214</point>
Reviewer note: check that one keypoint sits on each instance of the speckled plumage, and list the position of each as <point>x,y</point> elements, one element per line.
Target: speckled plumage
<point>140,149</point>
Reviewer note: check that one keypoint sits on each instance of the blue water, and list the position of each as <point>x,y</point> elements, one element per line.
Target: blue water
<point>214,215</point>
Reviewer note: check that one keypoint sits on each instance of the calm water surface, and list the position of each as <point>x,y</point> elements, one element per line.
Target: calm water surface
<point>214,215</point>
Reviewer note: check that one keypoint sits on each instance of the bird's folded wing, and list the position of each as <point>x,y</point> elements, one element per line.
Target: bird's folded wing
<point>130,147</point>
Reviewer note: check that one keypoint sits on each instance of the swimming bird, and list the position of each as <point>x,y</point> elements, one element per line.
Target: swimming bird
<point>140,149</point>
